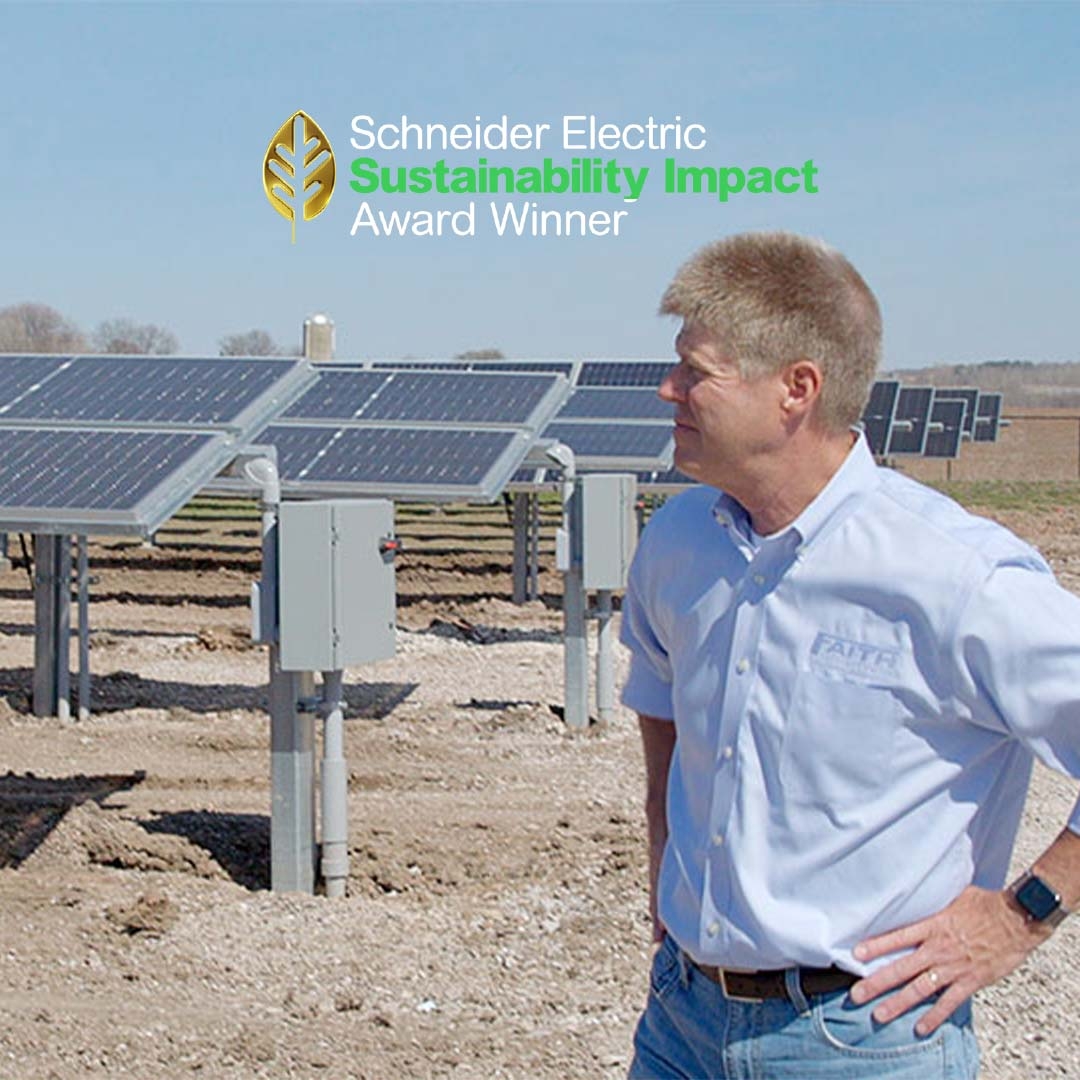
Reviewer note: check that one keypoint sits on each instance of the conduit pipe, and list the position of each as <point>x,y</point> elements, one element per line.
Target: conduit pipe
<point>335,783</point>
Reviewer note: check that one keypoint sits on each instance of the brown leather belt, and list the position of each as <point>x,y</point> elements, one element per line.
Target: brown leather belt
<point>762,985</point>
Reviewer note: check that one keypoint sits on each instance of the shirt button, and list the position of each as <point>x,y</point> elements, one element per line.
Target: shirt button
<point>718,840</point>
<point>759,579</point>
<point>742,666</point>
<point>728,753</point>
<point>713,928</point>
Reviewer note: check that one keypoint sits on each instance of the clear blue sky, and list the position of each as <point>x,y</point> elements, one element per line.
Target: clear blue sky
<point>945,136</point>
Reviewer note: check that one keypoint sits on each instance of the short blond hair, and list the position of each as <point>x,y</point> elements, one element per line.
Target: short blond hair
<point>775,298</point>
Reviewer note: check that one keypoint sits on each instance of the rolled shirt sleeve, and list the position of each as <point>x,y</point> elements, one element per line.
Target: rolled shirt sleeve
<point>1017,652</point>
<point>648,688</point>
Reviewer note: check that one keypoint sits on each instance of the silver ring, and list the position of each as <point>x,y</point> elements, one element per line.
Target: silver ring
<point>933,975</point>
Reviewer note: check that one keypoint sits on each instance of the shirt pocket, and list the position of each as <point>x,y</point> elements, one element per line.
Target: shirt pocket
<point>838,740</point>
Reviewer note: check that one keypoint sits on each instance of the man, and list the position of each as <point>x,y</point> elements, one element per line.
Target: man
<point>841,678</point>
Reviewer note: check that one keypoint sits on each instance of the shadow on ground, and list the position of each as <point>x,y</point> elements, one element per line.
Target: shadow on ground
<point>238,843</point>
<point>31,806</point>
<point>122,690</point>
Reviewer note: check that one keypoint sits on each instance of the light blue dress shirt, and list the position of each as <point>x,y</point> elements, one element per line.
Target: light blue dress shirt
<point>857,701</point>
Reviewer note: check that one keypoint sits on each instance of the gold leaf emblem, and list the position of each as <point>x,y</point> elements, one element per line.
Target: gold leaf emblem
<point>290,171</point>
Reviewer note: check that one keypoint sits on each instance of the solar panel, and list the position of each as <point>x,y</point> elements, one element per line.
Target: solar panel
<point>618,403</point>
<point>339,394</point>
<point>418,463</point>
<point>150,390</point>
<point>93,480</point>
<point>878,415</point>
<point>968,395</point>
<point>988,418</point>
<point>296,447</point>
<point>20,374</point>
<point>616,446</point>
<point>525,367</point>
<point>908,435</point>
<point>552,367</point>
<point>946,428</point>
<point>473,398</point>
<point>624,372</point>
<point>411,434</point>
<point>427,397</point>
<point>427,365</point>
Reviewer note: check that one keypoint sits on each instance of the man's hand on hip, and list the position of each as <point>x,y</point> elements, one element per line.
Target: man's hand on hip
<point>979,938</point>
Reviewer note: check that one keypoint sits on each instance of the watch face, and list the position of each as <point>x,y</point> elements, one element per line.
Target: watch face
<point>1036,898</point>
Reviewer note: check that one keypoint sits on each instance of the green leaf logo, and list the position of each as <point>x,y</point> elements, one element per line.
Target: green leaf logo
<point>299,160</point>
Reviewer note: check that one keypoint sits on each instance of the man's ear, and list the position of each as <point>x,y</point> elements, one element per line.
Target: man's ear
<point>802,382</point>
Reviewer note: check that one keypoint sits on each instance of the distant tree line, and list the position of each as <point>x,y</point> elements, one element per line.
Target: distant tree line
<point>38,328</point>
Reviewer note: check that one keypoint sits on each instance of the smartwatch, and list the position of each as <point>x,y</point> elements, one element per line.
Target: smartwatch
<point>1039,901</point>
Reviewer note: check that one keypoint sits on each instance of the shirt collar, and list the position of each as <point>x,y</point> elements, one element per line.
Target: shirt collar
<point>857,475</point>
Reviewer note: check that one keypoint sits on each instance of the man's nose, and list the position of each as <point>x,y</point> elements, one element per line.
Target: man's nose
<point>670,388</point>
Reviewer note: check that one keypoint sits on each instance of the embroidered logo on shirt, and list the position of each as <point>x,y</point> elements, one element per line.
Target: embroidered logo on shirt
<point>840,655</point>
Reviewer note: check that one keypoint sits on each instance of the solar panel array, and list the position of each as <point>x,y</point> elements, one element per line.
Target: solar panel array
<point>930,421</point>
<point>612,420</point>
<point>621,394</point>
<point>117,444</point>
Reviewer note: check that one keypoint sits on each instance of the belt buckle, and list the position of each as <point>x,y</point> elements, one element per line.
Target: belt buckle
<point>728,995</point>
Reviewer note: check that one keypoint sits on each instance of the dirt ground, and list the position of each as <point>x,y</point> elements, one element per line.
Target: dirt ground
<point>496,919</point>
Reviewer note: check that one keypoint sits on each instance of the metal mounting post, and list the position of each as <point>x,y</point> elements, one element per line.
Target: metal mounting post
<point>52,625</point>
<point>83,578</point>
<point>520,511</point>
<point>292,731</point>
<point>534,546</point>
<point>575,640</point>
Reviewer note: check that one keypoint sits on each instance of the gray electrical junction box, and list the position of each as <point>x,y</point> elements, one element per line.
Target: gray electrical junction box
<point>336,583</point>
<point>608,530</point>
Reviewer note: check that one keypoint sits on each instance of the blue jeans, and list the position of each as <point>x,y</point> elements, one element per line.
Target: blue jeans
<point>690,1031</point>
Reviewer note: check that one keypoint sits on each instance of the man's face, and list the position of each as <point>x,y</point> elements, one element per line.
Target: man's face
<point>722,421</point>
